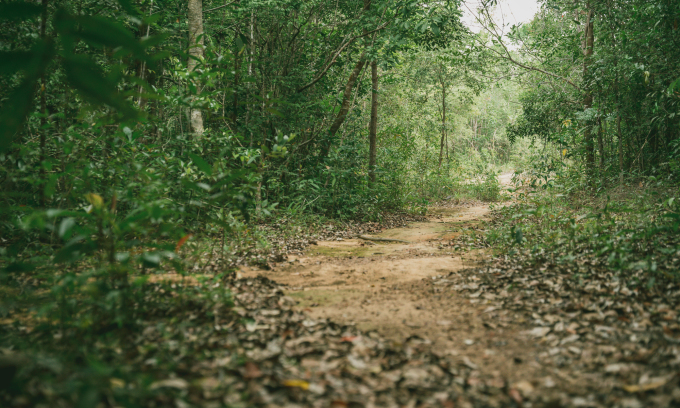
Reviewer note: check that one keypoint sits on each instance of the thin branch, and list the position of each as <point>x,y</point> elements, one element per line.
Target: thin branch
<point>219,7</point>
<point>337,54</point>
<point>508,56</point>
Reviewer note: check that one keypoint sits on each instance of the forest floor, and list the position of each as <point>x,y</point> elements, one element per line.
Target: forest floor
<point>344,319</point>
<point>509,337</point>
<point>395,288</point>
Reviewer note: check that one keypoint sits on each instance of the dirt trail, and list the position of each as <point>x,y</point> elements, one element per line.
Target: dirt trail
<point>392,288</point>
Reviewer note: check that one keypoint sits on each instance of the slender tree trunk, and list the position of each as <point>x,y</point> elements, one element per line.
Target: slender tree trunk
<point>142,69</point>
<point>344,107</point>
<point>238,55</point>
<point>600,146</point>
<point>373,127</point>
<point>43,109</point>
<point>237,69</point>
<point>347,94</point>
<point>441,144</point>
<point>195,54</point>
<point>618,113</point>
<point>618,131</point>
<point>588,98</point>
<point>251,52</point>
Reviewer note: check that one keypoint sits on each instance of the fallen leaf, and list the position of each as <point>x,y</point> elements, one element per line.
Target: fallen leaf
<point>252,371</point>
<point>515,395</point>
<point>178,383</point>
<point>182,241</point>
<point>117,383</point>
<point>297,383</point>
<point>525,387</point>
<point>538,331</point>
<point>645,387</point>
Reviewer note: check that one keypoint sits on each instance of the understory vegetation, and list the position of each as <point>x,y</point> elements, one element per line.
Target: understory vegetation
<point>625,229</point>
<point>148,148</point>
<point>603,101</point>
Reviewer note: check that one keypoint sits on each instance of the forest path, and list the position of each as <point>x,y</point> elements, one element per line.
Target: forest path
<point>397,290</point>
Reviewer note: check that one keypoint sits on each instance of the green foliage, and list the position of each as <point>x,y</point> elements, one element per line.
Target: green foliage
<point>616,111</point>
<point>622,230</point>
<point>107,183</point>
<point>488,189</point>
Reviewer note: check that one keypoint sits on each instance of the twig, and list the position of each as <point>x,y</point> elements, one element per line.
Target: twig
<point>219,7</point>
<point>369,238</point>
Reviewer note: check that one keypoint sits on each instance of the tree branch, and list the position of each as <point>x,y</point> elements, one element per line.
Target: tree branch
<point>508,56</point>
<point>219,7</point>
<point>337,54</point>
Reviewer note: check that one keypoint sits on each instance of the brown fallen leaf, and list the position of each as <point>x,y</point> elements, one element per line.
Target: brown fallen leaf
<point>645,387</point>
<point>524,386</point>
<point>252,371</point>
<point>515,395</point>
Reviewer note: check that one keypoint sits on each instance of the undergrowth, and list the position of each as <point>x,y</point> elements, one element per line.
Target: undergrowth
<point>623,228</point>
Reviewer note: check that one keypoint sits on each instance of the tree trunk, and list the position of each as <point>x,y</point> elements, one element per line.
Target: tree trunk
<point>618,130</point>
<point>251,52</point>
<point>237,69</point>
<point>43,109</point>
<point>600,146</point>
<point>441,144</point>
<point>588,98</point>
<point>373,127</point>
<point>144,29</point>
<point>344,107</point>
<point>195,54</point>
<point>347,94</point>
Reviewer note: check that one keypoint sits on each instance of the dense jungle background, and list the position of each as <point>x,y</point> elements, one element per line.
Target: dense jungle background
<point>154,151</point>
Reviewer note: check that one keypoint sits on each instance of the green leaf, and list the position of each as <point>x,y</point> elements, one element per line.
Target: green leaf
<point>13,61</point>
<point>102,32</point>
<point>675,85</point>
<point>19,10</point>
<point>129,7</point>
<point>88,79</point>
<point>65,227</point>
<point>13,115</point>
<point>151,260</point>
<point>201,164</point>
<point>19,267</point>
<point>74,250</point>
<point>517,235</point>
<point>275,112</point>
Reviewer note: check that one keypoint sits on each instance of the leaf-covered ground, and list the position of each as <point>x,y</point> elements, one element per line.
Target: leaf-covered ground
<point>438,321</point>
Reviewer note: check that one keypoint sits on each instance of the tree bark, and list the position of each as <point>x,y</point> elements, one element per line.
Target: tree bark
<point>344,107</point>
<point>237,70</point>
<point>600,146</point>
<point>195,54</point>
<point>347,94</point>
<point>43,108</point>
<point>373,127</point>
<point>618,131</point>
<point>441,144</point>
<point>588,97</point>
